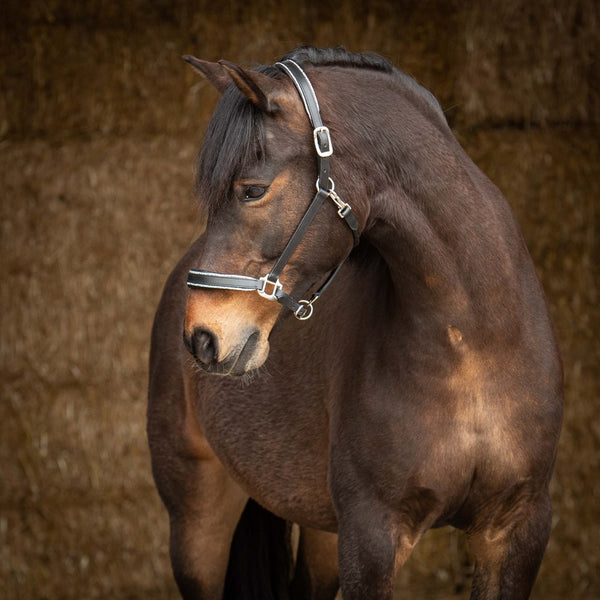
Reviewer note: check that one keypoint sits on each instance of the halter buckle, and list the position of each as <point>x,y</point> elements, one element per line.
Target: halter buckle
<point>322,139</point>
<point>272,295</point>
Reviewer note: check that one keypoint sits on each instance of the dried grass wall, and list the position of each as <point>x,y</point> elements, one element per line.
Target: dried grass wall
<point>100,122</point>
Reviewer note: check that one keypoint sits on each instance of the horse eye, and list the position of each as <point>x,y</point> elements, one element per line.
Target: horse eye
<point>254,192</point>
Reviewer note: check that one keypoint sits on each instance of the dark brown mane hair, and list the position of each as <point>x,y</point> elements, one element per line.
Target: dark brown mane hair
<point>339,57</point>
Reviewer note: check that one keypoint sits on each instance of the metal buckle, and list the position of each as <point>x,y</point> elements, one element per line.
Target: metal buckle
<point>329,149</point>
<point>277,285</point>
<point>305,310</point>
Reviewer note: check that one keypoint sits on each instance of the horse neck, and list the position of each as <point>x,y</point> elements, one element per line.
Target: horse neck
<point>448,238</point>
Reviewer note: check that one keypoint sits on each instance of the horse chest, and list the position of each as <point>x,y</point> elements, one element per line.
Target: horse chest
<point>274,446</point>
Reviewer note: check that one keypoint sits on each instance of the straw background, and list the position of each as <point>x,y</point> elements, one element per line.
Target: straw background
<point>100,123</point>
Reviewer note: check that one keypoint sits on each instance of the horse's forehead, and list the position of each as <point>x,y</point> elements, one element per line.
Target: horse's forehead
<point>287,137</point>
<point>292,114</point>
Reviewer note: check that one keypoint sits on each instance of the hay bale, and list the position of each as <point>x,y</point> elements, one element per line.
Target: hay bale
<point>75,69</point>
<point>100,125</point>
<point>90,232</point>
<point>550,179</point>
<point>529,63</point>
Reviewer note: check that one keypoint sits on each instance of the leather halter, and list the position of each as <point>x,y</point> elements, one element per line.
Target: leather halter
<point>269,286</point>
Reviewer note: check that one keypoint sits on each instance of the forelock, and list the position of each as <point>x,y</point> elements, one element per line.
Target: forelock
<point>235,137</point>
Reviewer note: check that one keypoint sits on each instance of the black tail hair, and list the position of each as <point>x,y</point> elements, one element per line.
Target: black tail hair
<point>260,557</point>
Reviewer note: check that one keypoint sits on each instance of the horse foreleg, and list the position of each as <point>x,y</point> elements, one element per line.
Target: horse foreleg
<point>509,549</point>
<point>366,553</point>
<point>201,534</point>
<point>204,507</point>
<point>376,540</point>
<point>316,573</point>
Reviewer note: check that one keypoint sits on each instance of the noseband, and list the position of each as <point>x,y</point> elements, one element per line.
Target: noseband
<point>269,286</point>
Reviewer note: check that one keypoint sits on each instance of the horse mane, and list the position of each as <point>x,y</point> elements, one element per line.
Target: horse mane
<point>339,57</point>
<point>235,134</point>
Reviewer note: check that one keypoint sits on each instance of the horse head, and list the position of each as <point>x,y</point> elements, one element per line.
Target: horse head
<point>256,181</point>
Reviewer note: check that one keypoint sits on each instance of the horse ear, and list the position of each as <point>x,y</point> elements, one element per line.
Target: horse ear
<point>214,72</point>
<point>261,90</point>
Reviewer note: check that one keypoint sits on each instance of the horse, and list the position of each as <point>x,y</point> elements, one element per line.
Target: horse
<point>419,385</point>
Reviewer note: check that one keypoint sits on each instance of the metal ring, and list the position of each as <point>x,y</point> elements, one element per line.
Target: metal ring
<point>331,190</point>
<point>304,311</point>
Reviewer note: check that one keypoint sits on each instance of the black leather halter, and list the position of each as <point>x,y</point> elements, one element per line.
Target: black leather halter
<point>269,285</point>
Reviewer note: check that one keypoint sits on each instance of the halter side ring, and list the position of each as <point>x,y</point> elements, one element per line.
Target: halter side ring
<point>305,310</point>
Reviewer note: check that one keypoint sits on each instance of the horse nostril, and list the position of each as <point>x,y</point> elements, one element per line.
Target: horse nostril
<point>203,346</point>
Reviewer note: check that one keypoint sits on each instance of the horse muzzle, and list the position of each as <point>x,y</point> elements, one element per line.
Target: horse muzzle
<point>248,355</point>
<point>225,333</point>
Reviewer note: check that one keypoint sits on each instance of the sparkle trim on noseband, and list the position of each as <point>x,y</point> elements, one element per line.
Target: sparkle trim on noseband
<point>269,286</point>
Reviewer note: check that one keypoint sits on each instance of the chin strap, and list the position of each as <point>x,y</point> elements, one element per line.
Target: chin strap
<point>269,286</point>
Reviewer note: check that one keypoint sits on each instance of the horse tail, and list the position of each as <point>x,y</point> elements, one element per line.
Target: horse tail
<point>260,557</point>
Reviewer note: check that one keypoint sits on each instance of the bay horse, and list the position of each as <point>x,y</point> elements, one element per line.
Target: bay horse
<point>422,389</point>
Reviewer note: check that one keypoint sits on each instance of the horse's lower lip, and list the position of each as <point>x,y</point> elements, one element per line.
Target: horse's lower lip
<point>247,351</point>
